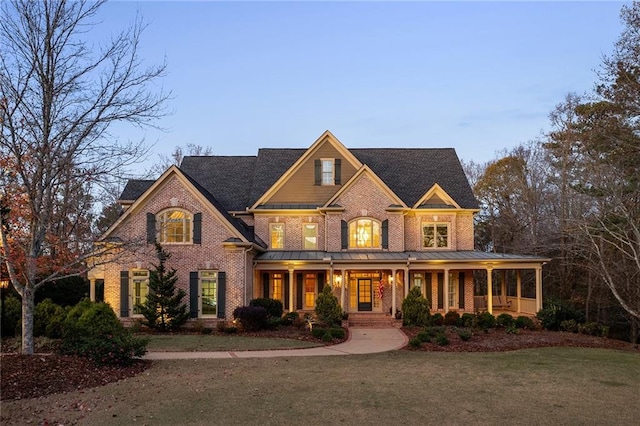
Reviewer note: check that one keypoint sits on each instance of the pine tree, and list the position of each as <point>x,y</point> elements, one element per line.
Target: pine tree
<point>163,309</point>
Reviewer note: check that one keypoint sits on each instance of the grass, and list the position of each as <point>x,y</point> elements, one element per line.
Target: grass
<point>207,342</point>
<point>535,386</point>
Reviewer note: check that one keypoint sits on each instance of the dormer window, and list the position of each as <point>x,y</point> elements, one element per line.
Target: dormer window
<point>435,235</point>
<point>175,226</point>
<point>328,172</point>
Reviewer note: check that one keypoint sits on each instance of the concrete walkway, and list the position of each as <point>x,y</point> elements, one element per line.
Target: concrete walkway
<point>360,341</point>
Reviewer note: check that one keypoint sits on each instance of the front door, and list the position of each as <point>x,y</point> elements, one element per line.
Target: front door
<point>365,294</point>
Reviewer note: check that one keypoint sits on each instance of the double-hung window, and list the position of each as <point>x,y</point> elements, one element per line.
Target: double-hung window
<point>208,283</point>
<point>310,236</point>
<point>139,289</point>
<point>435,235</point>
<point>276,235</point>
<point>327,171</point>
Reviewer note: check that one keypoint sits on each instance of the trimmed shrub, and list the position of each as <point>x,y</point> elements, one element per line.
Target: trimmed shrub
<point>48,319</point>
<point>424,336</point>
<point>92,330</point>
<point>436,319</point>
<point>464,334</point>
<point>467,320</point>
<point>555,311</point>
<point>332,332</point>
<point>524,322</point>
<point>505,320</point>
<point>415,343</point>
<point>569,325</point>
<point>327,308</point>
<point>451,318</point>
<point>290,318</point>
<point>415,309</point>
<point>252,318</point>
<point>272,306</point>
<point>590,328</point>
<point>12,315</point>
<point>442,339</point>
<point>485,320</point>
<point>511,329</point>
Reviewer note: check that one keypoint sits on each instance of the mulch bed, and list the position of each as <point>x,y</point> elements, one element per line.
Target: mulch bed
<point>39,375</point>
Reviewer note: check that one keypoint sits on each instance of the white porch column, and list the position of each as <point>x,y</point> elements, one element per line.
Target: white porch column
<point>445,296</point>
<point>92,289</point>
<point>291,290</point>
<point>518,290</point>
<point>341,290</point>
<point>393,293</point>
<point>490,290</point>
<point>503,285</point>
<point>538,288</point>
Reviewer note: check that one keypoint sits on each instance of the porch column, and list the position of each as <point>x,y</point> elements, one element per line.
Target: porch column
<point>445,296</point>
<point>538,288</point>
<point>92,289</point>
<point>345,280</point>
<point>518,290</point>
<point>393,294</point>
<point>291,290</point>
<point>490,290</point>
<point>503,285</point>
<point>341,290</point>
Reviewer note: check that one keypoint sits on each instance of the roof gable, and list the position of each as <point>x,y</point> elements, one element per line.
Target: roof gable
<point>362,172</point>
<point>436,198</point>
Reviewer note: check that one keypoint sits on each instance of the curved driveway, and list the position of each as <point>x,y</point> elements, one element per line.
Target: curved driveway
<point>360,341</point>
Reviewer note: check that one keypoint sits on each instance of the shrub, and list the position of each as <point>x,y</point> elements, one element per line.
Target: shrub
<point>569,325</point>
<point>464,334</point>
<point>48,318</point>
<point>67,291</point>
<point>485,320</point>
<point>436,319</point>
<point>451,318</point>
<point>512,329</point>
<point>504,320</point>
<point>252,318</point>
<point>273,323</point>
<point>290,318</point>
<point>328,309</point>
<point>92,330</point>
<point>332,333</point>
<point>415,343</point>
<point>230,330</point>
<point>415,309</point>
<point>590,328</point>
<point>12,314</point>
<point>555,311</point>
<point>442,339</point>
<point>524,322</point>
<point>424,336</point>
<point>435,330</point>
<point>272,306</point>
<point>467,320</point>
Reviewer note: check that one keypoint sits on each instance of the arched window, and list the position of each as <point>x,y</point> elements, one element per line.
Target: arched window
<point>364,233</point>
<point>174,226</point>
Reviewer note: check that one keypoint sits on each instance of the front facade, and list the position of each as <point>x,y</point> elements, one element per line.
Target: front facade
<point>372,223</point>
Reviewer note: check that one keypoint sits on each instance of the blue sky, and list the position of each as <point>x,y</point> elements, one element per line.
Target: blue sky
<point>476,76</point>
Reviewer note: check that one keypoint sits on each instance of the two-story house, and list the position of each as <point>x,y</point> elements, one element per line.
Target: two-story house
<point>282,224</point>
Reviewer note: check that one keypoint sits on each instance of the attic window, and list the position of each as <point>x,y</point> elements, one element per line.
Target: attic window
<point>327,172</point>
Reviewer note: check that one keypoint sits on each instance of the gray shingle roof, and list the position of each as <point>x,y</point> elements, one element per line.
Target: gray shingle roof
<point>135,188</point>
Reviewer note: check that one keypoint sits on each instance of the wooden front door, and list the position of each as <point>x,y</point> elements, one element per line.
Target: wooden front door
<point>365,294</point>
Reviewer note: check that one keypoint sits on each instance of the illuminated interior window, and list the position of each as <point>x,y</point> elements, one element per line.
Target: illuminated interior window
<point>139,289</point>
<point>208,293</point>
<point>276,292</point>
<point>435,235</point>
<point>310,281</point>
<point>175,226</point>
<point>310,236</point>
<point>364,233</point>
<point>276,232</point>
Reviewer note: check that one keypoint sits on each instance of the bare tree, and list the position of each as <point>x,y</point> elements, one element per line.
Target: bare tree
<point>58,98</point>
<point>176,157</point>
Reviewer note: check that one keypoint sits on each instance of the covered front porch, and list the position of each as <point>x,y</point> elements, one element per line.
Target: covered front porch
<point>377,282</point>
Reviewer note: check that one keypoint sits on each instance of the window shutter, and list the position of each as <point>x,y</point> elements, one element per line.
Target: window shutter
<point>124,294</point>
<point>337,173</point>
<point>320,282</point>
<point>197,228</point>
<point>461,290</point>
<point>265,284</point>
<point>151,228</point>
<point>299,290</point>
<point>385,234</point>
<point>193,294</point>
<point>318,168</point>
<point>222,294</point>
<point>440,290</point>
<point>345,234</point>
<point>285,303</point>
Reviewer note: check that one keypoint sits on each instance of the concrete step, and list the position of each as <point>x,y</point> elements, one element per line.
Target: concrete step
<point>370,320</point>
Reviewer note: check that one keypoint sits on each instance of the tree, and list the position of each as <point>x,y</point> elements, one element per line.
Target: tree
<point>328,308</point>
<point>163,310</point>
<point>58,98</point>
<point>176,157</point>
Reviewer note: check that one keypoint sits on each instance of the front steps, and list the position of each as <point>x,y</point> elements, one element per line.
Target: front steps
<point>371,320</point>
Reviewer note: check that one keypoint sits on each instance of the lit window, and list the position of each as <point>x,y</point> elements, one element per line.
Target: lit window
<point>276,231</point>
<point>310,236</point>
<point>277,290</point>
<point>208,293</point>
<point>139,289</point>
<point>364,233</point>
<point>452,292</point>
<point>435,235</point>
<point>310,281</point>
<point>174,226</point>
<point>327,172</point>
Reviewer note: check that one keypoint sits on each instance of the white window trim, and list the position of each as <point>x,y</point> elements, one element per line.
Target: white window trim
<point>161,235</point>
<point>131,288</point>
<point>378,247</point>
<point>332,182</point>
<point>304,224</point>
<point>434,225</point>
<point>200,279</point>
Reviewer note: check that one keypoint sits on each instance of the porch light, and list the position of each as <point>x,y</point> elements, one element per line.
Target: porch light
<point>390,279</point>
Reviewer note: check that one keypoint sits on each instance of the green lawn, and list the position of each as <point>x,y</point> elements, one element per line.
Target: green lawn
<point>208,342</point>
<point>536,386</point>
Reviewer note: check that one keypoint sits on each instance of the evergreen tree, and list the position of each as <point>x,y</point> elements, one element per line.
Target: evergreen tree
<point>163,309</point>
<point>328,308</point>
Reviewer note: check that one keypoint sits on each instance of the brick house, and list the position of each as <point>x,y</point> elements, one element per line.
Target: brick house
<point>282,224</point>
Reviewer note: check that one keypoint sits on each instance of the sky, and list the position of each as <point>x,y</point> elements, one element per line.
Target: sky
<point>480,77</point>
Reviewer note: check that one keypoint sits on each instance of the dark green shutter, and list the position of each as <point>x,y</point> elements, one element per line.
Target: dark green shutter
<point>321,282</point>
<point>286,292</point>
<point>193,294</point>
<point>318,169</point>
<point>222,294</point>
<point>461,290</point>
<point>124,294</point>
<point>151,228</point>
<point>337,173</point>
<point>344,228</point>
<point>265,284</point>
<point>197,228</point>
<point>429,289</point>
<point>385,234</point>
<point>299,290</point>
<point>440,290</point>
